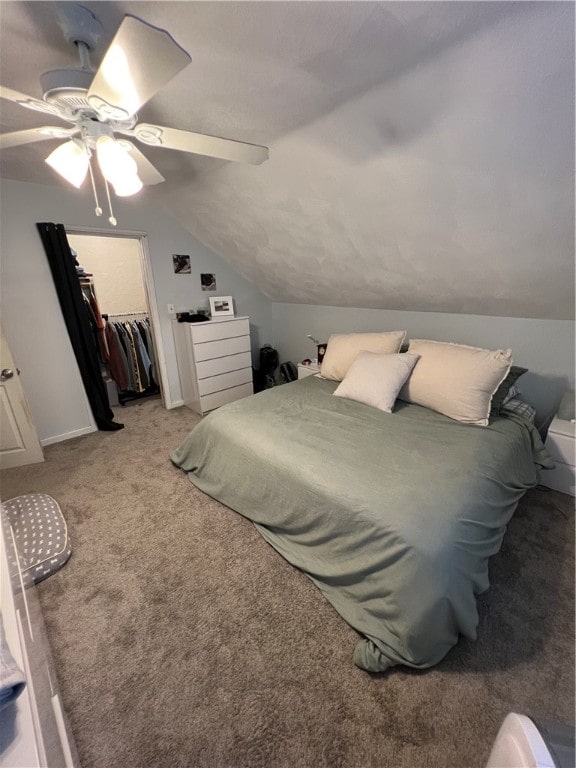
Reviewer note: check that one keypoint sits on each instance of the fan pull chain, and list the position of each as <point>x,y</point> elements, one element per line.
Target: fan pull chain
<point>111,218</point>
<point>97,210</point>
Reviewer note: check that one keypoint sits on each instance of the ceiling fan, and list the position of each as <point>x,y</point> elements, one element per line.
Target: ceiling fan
<point>140,60</point>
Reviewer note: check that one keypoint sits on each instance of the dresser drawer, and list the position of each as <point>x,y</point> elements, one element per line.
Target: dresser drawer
<point>224,381</point>
<point>209,402</point>
<point>223,365</point>
<point>212,349</point>
<point>220,329</point>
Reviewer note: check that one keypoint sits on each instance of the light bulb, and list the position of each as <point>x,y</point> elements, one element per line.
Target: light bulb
<point>127,186</point>
<point>118,167</point>
<point>71,161</point>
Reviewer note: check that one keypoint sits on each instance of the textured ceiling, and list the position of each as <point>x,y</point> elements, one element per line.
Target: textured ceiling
<point>421,153</point>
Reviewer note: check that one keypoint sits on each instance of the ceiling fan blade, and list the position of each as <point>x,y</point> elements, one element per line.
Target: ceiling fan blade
<point>140,60</point>
<point>146,171</point>
<point>17,138</point>
<point>200,144</point>
<point>29,102</point>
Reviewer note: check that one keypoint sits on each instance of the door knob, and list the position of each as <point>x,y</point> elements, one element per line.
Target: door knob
<point>6,374</point>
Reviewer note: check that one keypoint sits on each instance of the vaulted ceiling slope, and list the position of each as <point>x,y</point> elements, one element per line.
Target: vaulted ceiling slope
<point>421,153</point>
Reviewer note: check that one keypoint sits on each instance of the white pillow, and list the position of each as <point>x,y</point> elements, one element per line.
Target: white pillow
<point>455,379</point>
<point>376,379</point>
<point>343,348</point>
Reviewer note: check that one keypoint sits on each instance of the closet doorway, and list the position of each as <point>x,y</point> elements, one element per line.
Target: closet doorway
<point>115,266</point>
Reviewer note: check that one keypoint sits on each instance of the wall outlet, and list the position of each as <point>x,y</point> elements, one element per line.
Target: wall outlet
<point>171,310</point>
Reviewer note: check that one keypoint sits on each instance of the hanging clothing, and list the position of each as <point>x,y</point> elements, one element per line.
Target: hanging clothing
<point>99,323</point>
<point>126,342</point>
<point>147,337</point>
<point>132,356</point>
<point>117,361</point>
<point>143,355</point>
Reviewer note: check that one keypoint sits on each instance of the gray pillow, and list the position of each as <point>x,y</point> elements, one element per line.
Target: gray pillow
<point>499,396</point>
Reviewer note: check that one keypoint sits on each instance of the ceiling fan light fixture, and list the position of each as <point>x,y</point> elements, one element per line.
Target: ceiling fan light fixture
<point>117,167</point>
<point>127,187</point>
<point>138,63</point>
<point>71,161</point>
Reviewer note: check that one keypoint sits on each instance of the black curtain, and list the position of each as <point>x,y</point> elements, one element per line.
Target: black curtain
<point>77,321</point>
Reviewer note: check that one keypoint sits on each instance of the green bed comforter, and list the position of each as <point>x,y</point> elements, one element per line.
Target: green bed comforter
<point>393,516</point>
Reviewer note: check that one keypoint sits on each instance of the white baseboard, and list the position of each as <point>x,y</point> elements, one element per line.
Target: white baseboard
<point>68,435</point>
<point>175,404</point>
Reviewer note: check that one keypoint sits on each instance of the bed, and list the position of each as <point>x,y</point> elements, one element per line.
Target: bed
<point>392,515</point>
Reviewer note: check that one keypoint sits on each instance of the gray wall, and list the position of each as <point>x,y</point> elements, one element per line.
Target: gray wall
<point>31,315</point>
<point>545,347</point>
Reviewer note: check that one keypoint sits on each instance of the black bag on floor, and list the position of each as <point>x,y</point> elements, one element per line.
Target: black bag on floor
<point>269,361</point>
<point>288,372</point>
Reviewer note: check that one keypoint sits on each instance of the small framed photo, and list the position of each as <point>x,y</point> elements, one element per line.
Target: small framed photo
<point>208,281</point>
<point>321,351</point>
<point>181,264</point>
<point>220,306</point>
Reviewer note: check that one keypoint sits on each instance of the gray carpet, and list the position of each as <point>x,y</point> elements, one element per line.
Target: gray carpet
<point>181,638</point>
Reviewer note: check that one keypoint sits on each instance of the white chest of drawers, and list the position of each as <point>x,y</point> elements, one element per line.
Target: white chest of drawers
<point>214,362</point>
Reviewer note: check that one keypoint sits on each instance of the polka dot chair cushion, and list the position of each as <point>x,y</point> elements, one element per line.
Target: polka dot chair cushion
<point>40,534</point>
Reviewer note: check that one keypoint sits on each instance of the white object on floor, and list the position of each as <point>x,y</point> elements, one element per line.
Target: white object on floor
<point>112,390</point>
<point>519,745</point>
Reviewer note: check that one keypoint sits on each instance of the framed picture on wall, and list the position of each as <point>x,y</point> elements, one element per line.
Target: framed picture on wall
<point>181,264</point>
<point>221,306</point>
<point>208,281</point>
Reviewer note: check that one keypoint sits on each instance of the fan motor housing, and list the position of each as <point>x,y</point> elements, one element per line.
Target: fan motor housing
<point>67,88</point>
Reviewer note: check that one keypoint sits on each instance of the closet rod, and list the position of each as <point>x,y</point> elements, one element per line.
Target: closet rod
<point>106,316</point>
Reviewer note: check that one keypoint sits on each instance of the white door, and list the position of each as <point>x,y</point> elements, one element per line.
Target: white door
<point>19,442</point>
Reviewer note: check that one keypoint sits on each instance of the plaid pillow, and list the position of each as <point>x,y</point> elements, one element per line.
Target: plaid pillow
<point>520,408</point>
<point>512,392</point>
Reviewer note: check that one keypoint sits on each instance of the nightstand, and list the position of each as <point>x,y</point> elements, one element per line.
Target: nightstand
<point>561,445</point>
<point>307,370</point>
